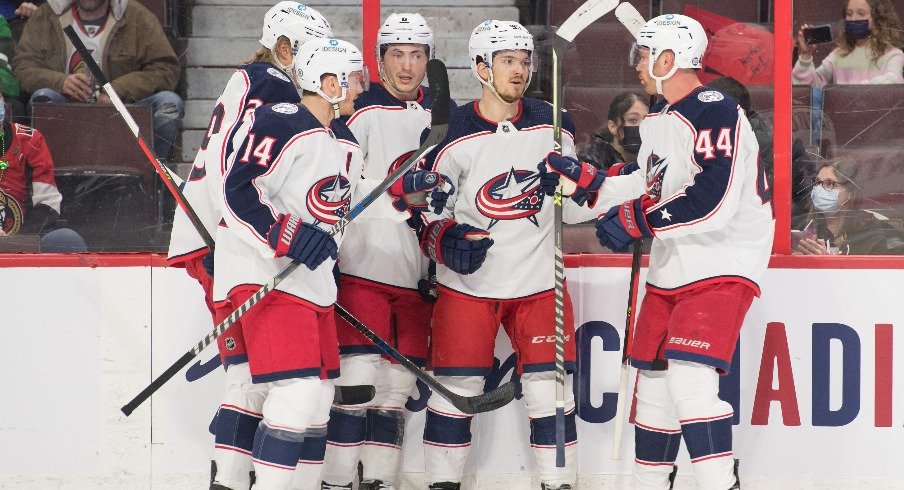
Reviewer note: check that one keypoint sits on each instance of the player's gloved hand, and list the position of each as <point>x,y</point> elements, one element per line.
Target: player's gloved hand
<point>303,242</point>
<point>581,175</point>
<point>459,246</point>
<point>207,263</point>
<point>549,181</point>
<point>622,168</point>
<point>411,190</point>
<point>623,224</point>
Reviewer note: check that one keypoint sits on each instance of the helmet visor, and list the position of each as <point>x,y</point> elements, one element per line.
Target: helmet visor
<point>360,77</point>
<point>637,54</point>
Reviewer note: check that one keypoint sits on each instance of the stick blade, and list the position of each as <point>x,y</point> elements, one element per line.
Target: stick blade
<point>440,105</point>
<point>585,15</point>
<point>628,15</point>
<point>487,402</point>
<point>354,394</point>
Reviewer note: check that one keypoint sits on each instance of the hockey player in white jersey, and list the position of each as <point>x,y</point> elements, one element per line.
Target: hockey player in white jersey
<point>381,263</point>
<point>704,199</point>
<point>286,182</point>
<point>265,79</point>
<point>494,246</point>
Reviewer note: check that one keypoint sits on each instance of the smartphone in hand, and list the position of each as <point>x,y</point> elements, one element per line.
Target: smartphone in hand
<point>818,35</point>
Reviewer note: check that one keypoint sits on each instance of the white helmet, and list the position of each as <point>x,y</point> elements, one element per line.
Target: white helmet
<point>296,21</point>
<point>680,34</point>
<point>492,36</point>
<point>319,57</point>
<point>405,29</point>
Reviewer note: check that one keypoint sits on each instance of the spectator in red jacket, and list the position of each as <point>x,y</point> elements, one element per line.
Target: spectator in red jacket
<point>26,169</point>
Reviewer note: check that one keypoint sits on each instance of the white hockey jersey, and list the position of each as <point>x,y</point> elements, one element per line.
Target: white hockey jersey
<point>712,216</point>
<point>494,169</point>
<point>378,245</point>
<point>285,162</point>
<point>250,87</point>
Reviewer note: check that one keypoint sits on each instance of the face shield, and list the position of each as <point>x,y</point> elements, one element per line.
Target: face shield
<point>360,77</point>
<point>637,54</point>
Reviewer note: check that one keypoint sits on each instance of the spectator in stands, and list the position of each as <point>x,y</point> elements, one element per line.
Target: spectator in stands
<point>843,225</point>
<point>9,84</point>
<point>803,167</point>
<point>867,52</point>
<point>128,43</point>
<point>26,169</point>
<point>618,140</point>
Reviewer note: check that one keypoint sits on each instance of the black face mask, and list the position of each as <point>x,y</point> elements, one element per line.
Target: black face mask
<point>857,29</point>
<point>631,141</point>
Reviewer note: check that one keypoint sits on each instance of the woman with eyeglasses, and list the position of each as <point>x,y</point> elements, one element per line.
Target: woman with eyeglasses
<point>841,222</point>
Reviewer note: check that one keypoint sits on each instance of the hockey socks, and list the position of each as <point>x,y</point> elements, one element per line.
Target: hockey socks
<point>234,430</point>
<point>344,440</point>
<point>543,442</point>
<point>383,444</point>
<point>447,441</point>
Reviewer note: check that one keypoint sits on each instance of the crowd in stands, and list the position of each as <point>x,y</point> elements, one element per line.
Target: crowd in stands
<point>39,65</point>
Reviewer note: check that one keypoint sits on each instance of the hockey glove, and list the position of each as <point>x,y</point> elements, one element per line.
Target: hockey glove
<point>623,224</point>
<point>411,190</point>
<point>460,247</point>
<point>207,263</point>
<point>299,241</point>
<point>581,175</point>
<point>622,168</point>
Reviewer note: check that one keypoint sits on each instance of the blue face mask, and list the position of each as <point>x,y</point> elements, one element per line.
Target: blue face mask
<point>857,29</point>
<point>824,201</point>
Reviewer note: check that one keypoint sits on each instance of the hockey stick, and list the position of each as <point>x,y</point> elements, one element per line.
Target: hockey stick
<point>166,175</point>
<point>633,21</point>
<point>470,405</point>
<point>439,83</point>
<point>589,12</point>
<point>625,368</point>
<point>358,394</point>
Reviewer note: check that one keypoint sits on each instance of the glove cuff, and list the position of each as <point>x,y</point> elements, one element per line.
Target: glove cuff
<point>634,220</point>
<point>281,233</point>
<point>432,238</point>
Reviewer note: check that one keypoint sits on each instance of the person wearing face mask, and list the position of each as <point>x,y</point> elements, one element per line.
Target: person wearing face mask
<point>618,140</point>
<point>843,225</point>
<point>803,167</point>
<point>866,53</point>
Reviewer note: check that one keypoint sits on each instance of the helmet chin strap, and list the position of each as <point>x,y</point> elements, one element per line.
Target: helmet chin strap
<point>661,79</point>
<point>333,101</point>
<point>490,85</point>
<point>286,68</point>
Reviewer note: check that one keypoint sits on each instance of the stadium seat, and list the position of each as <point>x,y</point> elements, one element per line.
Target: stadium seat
<point>599,56</point>
<point>110,189</point>
<point>880,175</point>
<point>865,114</point>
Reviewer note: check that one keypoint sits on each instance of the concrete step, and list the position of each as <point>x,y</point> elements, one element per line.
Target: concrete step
<point>229,52</point>
<point>245,21</point>
<point>208,83</point>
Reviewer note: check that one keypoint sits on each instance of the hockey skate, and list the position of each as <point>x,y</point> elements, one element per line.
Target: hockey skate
<point>672,476</point>
<point>374,485</point>
<point>553,486</point>
<point>737,485</point>
<point>330,486</point>
<point>445,485</point>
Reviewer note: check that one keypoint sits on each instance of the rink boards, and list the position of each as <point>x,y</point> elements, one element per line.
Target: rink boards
<point>814,387</point>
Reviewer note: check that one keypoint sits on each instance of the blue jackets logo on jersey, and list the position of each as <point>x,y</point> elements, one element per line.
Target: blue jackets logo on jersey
<point>510,196</point>
<point>655,173</point>
<point>327,199</point>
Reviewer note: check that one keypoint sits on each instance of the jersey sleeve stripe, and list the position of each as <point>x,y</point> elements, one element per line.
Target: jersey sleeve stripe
<point>687,214</point>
